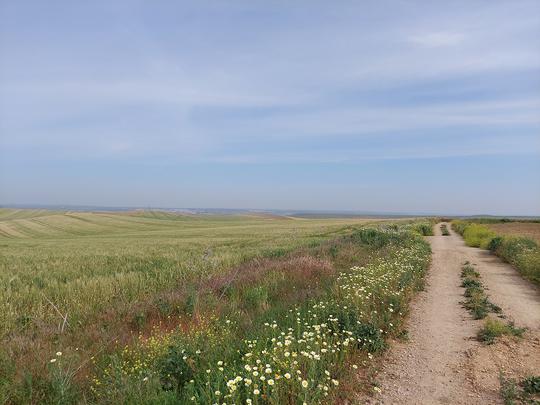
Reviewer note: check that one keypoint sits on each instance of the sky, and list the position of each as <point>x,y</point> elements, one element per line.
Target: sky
<point>381,106</point>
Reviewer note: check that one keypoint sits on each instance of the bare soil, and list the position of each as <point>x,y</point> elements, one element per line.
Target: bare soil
<point>443,363</point>
<point>526,229</point>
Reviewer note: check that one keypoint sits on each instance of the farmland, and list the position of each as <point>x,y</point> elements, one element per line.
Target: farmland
<point>155,307</point>
<point>524,229</point>
<point>89,285</point>
<point>85,262</point>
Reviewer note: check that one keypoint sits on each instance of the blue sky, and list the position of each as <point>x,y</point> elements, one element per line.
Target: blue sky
<point>415,106</point>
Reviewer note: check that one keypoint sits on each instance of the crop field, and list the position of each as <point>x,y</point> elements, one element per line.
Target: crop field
<point>104,307</point>
<point>525,229</point>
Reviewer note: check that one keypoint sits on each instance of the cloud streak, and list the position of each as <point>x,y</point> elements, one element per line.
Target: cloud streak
<point>438,39</point>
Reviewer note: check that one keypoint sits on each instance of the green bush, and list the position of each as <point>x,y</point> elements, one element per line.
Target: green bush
<point>424,228</point>
<point>494,243</point>
<point>478,235</point>
<point>459,226</point>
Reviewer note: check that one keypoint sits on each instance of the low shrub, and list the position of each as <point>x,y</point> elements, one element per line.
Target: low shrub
<point>494,243</point>
<point>511,247</point>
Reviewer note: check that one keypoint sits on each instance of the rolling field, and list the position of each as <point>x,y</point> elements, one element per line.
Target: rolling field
<point>525,229</point>
<point>84,262</point>
<point>86,284</point>
<point>123,307</point>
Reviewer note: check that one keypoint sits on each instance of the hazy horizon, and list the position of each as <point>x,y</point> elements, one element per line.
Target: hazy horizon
<point>366,106</point>
<point>244,210</point>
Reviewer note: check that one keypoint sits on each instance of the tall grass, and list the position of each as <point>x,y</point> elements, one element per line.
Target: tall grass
<point>298,354</point>
<point>84,281</point>
<point>132,308</point>
<point>424,228</point>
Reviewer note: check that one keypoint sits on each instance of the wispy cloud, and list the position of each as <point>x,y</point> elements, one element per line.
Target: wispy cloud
<point>245,83</point>
<point>438,39</point>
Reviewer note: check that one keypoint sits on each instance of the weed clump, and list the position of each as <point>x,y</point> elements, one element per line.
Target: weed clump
<point>444,230</point>
<point>531,385</point>
<point>494,328</point>
<point>424,228</point>
<point>477,303</point>
<point>516,392</point>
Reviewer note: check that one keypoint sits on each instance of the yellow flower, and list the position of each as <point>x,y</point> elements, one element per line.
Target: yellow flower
<point>304,383</point>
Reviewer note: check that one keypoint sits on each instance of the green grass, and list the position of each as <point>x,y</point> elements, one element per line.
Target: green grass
<point>89,284</point>
<point>424,228</point>
<point>494,328</point>
<point>521,252</point>
<point>108,274</point>
<point>525,391</point>
<point>296,351</point>
<point>478,235</point>
<point>444,230</point>
<point>477,301</point>
<point>88,262</point>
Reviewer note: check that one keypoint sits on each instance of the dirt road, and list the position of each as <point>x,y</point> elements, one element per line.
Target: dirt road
<point>442,363</point>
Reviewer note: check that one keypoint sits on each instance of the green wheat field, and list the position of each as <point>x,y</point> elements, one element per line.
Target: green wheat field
<point>158,307</point>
